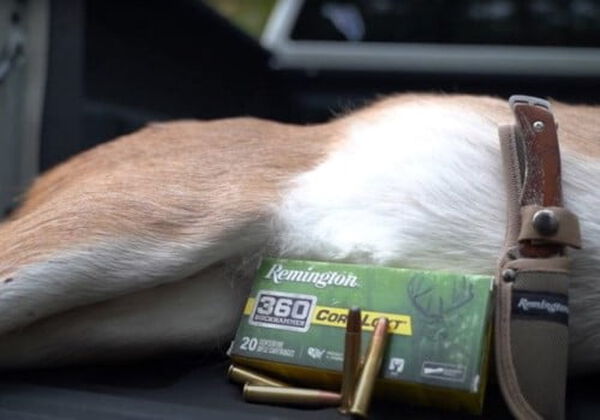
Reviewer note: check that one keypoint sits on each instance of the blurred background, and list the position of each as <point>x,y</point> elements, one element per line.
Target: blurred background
<point>75,73</point>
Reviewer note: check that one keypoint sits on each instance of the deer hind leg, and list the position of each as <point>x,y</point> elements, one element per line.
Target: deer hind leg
<point>97,239</point>
<point>38,280</point>
<point>153,208</point>
<point>198,313</point>
<point>101,267</point>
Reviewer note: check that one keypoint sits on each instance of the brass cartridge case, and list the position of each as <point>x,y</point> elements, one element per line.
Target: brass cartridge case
<point>370,370</point>
<point>244,376</point>
<point>290,396</point>
<point>351,366</point>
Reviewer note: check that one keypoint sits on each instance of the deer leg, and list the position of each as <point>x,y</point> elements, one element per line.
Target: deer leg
<point>35,285</point>
<point>198,313</point>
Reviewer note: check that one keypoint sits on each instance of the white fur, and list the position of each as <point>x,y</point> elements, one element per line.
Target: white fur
<point>581,183</point>
<point>194,314</point>
<point>421,186</point>
<point>111,269</point>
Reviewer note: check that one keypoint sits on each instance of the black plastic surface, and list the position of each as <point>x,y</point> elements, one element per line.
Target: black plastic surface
<point>167,389</point>
<point>197,388</point>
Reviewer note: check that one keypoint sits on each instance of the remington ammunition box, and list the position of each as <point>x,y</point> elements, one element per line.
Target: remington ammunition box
<point>293,328</point>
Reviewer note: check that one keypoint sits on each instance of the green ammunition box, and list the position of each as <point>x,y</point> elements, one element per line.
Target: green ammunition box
<point>293,327</point>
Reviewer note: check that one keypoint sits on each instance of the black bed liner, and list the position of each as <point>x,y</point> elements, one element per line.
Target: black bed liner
<point>197,388</point>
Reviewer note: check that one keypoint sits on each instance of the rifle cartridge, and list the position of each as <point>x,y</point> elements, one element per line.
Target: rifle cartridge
<point>370,370</point>
<point>351,358</point>
<point>290,396</point>
<point>244,376</point>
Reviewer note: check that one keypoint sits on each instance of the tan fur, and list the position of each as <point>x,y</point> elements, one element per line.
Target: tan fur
<point>171,179</point>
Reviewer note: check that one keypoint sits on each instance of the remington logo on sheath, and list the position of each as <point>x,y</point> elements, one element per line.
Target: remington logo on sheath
<point>543,306</point>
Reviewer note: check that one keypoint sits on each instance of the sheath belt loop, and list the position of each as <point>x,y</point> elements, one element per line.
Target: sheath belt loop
<point>531,320</point>
<point>549,224</point>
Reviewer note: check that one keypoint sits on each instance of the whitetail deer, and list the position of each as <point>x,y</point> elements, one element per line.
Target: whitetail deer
<point>141,245</point>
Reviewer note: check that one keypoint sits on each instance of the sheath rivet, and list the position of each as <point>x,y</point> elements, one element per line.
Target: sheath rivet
<point>509,275</point>
<point>538,126</point>
<point>545,222</point>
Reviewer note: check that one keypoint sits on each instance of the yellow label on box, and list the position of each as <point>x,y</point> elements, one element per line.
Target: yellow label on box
<point>336,317</point>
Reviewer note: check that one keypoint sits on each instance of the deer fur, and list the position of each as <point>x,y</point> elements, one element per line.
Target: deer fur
<point>147,243</point>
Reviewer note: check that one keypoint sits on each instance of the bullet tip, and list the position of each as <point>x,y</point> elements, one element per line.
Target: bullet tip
<point>382,326</point>
<point>354,322</point>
